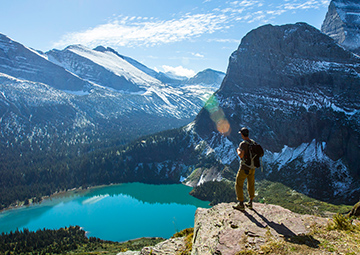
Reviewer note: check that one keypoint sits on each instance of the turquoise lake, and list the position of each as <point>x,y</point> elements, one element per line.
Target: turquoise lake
<point>115,213</point>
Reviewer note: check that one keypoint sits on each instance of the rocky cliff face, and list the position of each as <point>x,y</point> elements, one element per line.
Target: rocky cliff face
<point>298,92</point>
<point>342,23</point>
<point>223,230</point>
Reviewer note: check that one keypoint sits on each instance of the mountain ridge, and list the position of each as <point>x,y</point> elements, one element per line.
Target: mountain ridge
<point>19,61</point>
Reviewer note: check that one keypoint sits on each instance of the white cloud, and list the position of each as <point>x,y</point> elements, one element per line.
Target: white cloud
<point>197,55</point>
<point>245,3</point>
<point>277,12</point>
<point>221,40</point>
<point>310,4</point>
<point>179,71</point>
<point>136,31</point>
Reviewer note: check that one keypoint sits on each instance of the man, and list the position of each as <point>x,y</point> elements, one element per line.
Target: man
<point>246,171</point>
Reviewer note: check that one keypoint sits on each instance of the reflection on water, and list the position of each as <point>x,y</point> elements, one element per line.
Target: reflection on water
<point>149,193</point>
<point>95,199</point>
<point>117,213</point>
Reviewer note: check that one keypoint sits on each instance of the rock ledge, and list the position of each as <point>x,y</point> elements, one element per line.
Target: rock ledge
<point>224,230</point>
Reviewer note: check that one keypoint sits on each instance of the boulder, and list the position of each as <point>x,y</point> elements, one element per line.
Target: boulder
<point>168,247</point>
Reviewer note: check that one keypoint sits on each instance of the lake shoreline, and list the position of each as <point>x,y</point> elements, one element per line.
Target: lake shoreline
<point>137,207</point>
<point>57,194</point>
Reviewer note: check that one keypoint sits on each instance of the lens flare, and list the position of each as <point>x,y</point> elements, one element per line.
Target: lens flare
<point>217,115</point>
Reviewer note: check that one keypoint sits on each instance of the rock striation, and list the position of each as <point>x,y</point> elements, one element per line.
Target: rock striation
<point>342,23</point>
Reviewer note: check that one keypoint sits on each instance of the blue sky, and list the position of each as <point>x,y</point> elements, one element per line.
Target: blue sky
<point>184,37</point>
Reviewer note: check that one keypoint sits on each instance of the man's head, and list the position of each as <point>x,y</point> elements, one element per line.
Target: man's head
<point>244,131</point>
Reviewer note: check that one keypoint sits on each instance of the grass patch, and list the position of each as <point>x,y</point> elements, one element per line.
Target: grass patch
<point>188,233</point>
<point>279,194</point>
<point>341,222</point>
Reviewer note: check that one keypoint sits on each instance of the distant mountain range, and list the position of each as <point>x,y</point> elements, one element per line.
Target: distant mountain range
<point>64,104</point>
<point>80,94</point>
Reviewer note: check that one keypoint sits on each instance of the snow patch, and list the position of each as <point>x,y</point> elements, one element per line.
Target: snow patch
<point>224,150</point>
<point>308,153</point>
<point>117,65</point>
<point>182,178</point>
<point>77,93</point>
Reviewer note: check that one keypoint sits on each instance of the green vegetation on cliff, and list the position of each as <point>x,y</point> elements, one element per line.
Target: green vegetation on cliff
<point>271,193</point>
<point>69,240</point>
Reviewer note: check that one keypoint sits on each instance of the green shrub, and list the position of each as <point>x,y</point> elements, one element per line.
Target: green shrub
<point>341,222</point>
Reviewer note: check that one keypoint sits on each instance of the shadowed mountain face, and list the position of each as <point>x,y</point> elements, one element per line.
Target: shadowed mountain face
<point>298,92</point>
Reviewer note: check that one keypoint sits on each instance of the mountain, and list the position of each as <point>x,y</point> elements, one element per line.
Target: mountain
<point>102,67</point>
<point>342,23</point>
<point>208,76</point>
<point>19,61</point>
<point>63,104</point>
<point>163,77</point>
<point>298,93</point>
<point>96,87</point>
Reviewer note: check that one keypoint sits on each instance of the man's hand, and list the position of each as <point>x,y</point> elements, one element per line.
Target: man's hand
<point>240,152</point>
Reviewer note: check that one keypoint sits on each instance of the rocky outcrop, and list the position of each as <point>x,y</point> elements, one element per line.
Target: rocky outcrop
<point>168,247</point>
<point>342,23</point>
<point>223,230</point>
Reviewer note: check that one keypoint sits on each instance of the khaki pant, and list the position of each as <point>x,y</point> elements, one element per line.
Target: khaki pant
<point>240,178</point>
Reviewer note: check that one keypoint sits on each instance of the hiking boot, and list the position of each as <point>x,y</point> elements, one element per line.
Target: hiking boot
<point>249,205</point>
<point>240,207</point>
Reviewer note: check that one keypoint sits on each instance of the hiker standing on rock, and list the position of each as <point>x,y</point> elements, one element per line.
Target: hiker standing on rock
<point>249,152</point>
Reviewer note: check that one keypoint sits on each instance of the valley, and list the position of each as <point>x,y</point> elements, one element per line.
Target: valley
<point>79,118</point>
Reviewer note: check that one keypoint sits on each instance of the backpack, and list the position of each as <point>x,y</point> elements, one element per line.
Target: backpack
<point>253,154</point>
